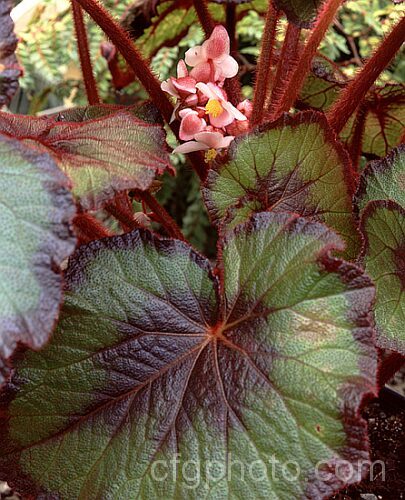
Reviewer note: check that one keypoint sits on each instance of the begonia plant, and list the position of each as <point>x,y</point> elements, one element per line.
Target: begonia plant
<point>134,366</point>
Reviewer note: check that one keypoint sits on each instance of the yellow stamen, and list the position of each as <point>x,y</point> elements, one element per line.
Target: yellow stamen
<point>210,155</point>
<point>214,108</point>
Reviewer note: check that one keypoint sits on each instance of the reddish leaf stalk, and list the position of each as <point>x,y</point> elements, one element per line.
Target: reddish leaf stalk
<point>232,86</point>
<point>298,77</point>
<point>198,163</point>
<point>233,90</point>
<point>84,54</point>
<point>356,143</point>
<point>357,88</point>
<point>120,77</point>
<point>264,65</point>
<point>161,214</point>
<point>121,209</point>
<point>287,64</point>
<point>206,20</point>
<point>124,44</point>
<point>89,228</point>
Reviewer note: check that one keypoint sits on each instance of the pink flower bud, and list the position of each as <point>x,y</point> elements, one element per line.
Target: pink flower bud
<point>246,107</point>
<point>237,128</point>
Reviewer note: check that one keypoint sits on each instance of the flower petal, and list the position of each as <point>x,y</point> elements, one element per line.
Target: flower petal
<point>238,115</point>
<point>168,87</point>
<point>182,70</point>
<point>186,111</point>
<point>201,72</point>
<point>214,140</point>
<point>185,85</point>
<point>227,67</point>
<point>189,147</point>
<point>224,119</point>
<point>218,44</point>
<point>174,116</point>
<point>191,100</point>
<point>207,90</point>
<point>195,55</point>
<point>237,128</point>
<point>220,93</point>
<point>190,125</point>
<point>226,141</point>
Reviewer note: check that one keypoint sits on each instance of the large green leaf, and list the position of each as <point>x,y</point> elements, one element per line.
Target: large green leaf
<point>383,257</point>
<point>383,180</point>
<point>300,12</point>
<point>292,165</point>
<point>158,379</point>
<point>35,212</point>
<point>103,151</point>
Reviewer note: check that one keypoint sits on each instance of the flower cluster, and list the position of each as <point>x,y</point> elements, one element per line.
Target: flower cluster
<point>209,122</point>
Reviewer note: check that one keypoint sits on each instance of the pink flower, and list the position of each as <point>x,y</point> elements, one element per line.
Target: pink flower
<point>205,141</point>
<point>220,111</point>
<point>181,87</point>
<point>209,122</point>
<point>211,60</point>
<point>191,124</point>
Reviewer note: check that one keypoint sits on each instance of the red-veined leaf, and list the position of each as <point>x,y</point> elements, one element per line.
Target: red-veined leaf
<point>103,151</point>
<point>155,371</point>
<point>294,164</point>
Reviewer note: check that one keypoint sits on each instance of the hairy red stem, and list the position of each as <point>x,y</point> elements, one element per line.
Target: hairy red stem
<point>121,209</point>
<point>84,54</point>
<point>120,77</point>
<point>233,90</point>
<point>359,86</point>
<point>161,214</point>
<point>287,63</point>
<point>356,142</point>
<point>124,44</point>
<point>231,24</point>
<point>325,19</point>
<point>232,85</point>
<point>89,228</point>
<point>204,16</point>
<point>263,71</point>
